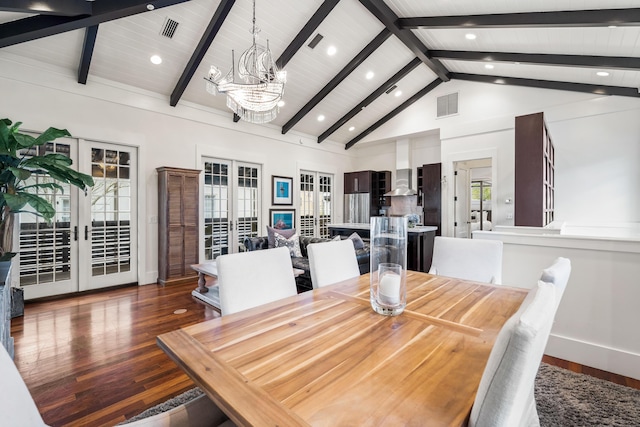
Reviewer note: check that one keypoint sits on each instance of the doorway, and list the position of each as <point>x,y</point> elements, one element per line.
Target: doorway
<point>92,241</point>
<point>472,196</point>
<point>232,200</point>
<point>316,189</point>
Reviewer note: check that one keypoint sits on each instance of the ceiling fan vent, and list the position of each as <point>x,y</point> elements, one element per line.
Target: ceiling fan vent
<point>448,105</point>
<point>314,41</point>
<point>169,28</point>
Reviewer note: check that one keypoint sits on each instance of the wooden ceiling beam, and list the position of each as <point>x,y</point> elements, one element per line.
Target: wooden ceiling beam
<point>35,27</point>
<point>48,7</point>
<point>385,15</point>
<point>90,35</point>
<point>549,84</point>
<point>572,18</point>
<point>207,38</point>
<point>394,112</point>
<point>348,69</point>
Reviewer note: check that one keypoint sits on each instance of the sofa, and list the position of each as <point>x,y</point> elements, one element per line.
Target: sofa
<point>303,281</point>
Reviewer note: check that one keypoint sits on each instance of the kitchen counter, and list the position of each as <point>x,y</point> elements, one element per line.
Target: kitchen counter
<point>366,226</point>
<point>419,244</point>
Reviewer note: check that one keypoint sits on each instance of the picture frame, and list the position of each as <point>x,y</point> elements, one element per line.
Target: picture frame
<point>282,219</point>
<point>281,190</point>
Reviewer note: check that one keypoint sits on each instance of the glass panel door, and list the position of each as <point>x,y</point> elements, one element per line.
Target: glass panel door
<point>231,205</point>
<point>316,190</point>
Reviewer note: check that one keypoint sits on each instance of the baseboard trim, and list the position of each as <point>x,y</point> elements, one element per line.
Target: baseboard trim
<point>606,359</point>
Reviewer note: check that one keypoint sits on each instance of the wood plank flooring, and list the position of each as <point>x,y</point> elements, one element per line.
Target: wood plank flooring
<point>92,359</point>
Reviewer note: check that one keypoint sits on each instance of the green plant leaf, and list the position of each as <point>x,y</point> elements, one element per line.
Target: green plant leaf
<point>20,173</point>
<point>18,201</point>
<point>48,159</point>
<point>50,185</point>
<point>51,134</point>
<point>22,141</point>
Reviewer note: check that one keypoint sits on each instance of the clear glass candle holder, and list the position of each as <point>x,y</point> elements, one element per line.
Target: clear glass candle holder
<point>388,246</point>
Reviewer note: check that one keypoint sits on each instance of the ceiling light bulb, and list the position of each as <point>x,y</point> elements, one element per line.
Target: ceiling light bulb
<point>320,118</point>
<point>470,36</point>
<point>280,104</point>
<point>602,73</point>
<point>155,59</point>
<point>369,75</point>
<point>398,93</point>
<point>488,66</point>
<point>352,128</point>
<point>331,50</point>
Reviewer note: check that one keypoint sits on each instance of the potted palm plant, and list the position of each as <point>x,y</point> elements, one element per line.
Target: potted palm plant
<point>20,159</point>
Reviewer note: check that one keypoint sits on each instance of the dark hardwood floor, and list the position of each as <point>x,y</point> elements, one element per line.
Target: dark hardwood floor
<point>92,360</point>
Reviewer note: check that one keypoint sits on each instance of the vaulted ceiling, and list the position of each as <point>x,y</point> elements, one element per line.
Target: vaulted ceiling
<point>412,45</point>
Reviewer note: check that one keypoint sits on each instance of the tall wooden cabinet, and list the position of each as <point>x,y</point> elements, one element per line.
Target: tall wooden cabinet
<point>534,172</point>
<point>178,219</point>
<point>430,194</point>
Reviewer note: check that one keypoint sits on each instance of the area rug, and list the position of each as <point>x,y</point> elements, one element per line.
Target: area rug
<point>564,398</point>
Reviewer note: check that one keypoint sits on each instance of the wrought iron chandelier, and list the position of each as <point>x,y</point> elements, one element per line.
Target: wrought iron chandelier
<point>255,97</point>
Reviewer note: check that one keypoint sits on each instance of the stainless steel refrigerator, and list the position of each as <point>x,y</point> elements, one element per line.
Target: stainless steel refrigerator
<point>357,208</point>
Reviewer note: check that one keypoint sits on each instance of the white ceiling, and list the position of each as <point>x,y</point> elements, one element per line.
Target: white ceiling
<point>123,48</point>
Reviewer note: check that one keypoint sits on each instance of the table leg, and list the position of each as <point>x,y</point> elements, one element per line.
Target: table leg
<point>201,284</point>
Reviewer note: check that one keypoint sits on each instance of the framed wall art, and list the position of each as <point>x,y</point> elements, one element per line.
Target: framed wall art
<point>281,190</point>
<point>282,219</point>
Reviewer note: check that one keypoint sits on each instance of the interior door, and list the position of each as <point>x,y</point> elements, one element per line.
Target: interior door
<point>232,200</point>
<point>316,189</point>
<point>461,202</point>
<point>92,241</point>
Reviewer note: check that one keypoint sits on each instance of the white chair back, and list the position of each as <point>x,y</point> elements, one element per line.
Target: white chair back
<point>558,274</point>
<point>332,262</point>
<point>479,260</point>
<point>16,404</point>
<point>250,279</point>
<point>505,397</point>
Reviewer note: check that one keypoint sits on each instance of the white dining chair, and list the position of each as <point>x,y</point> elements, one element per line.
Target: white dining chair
<point>19,409</point>
<point>250,279</point>
<point>505,394</point>
<point>332,262</point>
<point>558,274</point>
<point>479,260</point>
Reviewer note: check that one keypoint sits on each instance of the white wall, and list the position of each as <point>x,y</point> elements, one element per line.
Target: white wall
<point>42,96</point>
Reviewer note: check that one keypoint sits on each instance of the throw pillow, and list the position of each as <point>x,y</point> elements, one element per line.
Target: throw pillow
<point>336,238</point>
<point>271,235</point>
<point>358,243</point>
<point>292,243</point>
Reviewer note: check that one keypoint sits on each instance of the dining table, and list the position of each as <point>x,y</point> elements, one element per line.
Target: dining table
<point>325,358</point>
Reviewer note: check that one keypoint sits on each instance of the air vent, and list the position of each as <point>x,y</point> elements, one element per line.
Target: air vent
<point>169,28</point>
<point>314,41</point>
<point>448,105</point>
<point>391,89</point>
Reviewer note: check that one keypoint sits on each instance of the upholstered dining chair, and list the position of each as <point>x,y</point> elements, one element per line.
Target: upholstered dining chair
<point>505,396</point>
<point>479,260</point>
<point>332,262</point>
<point>250,279</point>
<point>19,409</point>
<point>558,274</point>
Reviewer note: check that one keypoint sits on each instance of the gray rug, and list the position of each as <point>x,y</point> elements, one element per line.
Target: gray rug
<point>564,398</point>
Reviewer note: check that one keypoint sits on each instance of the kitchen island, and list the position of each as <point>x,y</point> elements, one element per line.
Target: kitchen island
<point>419,243</point>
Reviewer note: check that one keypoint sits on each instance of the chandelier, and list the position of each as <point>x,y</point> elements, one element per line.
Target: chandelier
<point>255,97</point>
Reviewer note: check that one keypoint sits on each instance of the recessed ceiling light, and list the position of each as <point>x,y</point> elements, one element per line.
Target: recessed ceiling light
<point>612,26</point>
<point>369,75</point>
<point>398,93</point>
<point>488,66</point>
<point>470,36</point>
<point>602,73</point>
<point>280,103</point>
<point>321,118</point>
<point>352,128</point>
<point>331,50</point>
<point>155,59</point>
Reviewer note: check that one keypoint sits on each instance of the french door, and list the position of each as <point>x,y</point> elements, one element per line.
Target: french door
<point>316,190</point>
<point>92,241</point>
<point>461,202</point>
<point>232,200</point>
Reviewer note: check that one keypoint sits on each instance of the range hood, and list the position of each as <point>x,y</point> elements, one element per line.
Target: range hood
<point>403,184</point>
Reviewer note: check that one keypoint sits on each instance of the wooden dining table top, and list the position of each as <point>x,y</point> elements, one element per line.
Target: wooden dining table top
<point>325,358</point>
